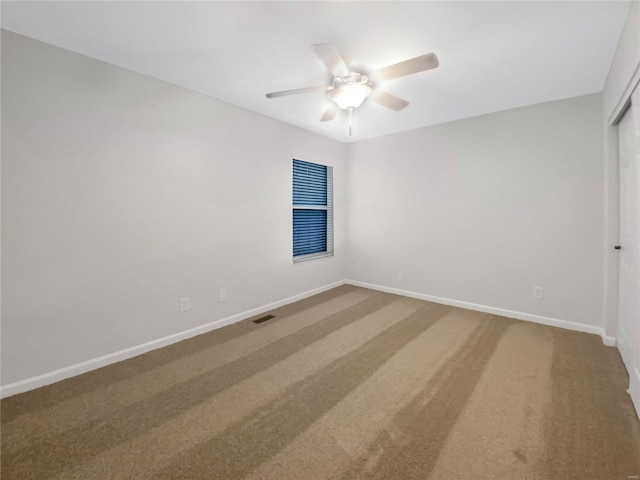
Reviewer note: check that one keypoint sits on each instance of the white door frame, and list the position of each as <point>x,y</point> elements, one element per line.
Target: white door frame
<point>612,229</point>
<point>628,339</point>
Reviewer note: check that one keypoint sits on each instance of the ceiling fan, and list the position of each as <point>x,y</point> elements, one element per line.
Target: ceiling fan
<point>349,89</point>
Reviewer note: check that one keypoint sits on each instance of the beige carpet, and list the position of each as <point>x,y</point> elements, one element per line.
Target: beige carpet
<point>350,383</point>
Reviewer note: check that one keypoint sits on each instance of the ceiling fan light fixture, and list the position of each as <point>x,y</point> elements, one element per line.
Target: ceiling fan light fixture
<point>350,94</point>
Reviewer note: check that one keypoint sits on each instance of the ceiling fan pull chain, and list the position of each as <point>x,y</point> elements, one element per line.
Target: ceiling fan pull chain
<point>350,119</point>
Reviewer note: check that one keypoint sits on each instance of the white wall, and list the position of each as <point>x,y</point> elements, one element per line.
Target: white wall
<point>121,194</point>
<point>623,78</point>
<point>623,74</point>
<point>483,209</point>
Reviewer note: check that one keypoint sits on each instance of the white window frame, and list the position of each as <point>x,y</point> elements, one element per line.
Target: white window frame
<point>328,208</point>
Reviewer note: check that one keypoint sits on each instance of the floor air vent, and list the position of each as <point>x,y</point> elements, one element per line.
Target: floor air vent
<point>264,319</point>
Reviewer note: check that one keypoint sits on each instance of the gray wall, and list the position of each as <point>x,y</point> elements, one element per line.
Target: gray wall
<point>483,209</point>
<point>121,194</point>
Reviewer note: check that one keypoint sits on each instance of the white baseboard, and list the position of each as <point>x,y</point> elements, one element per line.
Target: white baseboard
<point>553,322</point>
<point>95,363</point>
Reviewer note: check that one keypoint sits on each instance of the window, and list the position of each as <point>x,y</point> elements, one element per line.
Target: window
<point>312,210</point>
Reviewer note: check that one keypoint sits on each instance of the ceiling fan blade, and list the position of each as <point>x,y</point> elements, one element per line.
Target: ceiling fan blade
<point>387,100</point>
<point>296,91</point>
<point>408,67</point>
<point>330,113</point>
<point>331,58</point>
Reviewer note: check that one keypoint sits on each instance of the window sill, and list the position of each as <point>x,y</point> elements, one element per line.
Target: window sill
<point>312,256</point>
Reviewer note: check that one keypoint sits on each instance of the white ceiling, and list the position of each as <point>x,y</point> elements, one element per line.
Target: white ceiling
<point>493,55</point>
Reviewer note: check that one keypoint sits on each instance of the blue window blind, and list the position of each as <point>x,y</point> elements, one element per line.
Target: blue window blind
<point>312,209</point>
<point>309,183</point>
<point>309,231</point>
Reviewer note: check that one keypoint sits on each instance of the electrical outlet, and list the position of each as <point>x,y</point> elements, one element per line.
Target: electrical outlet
<point>223,294</point>
<point>184,304</point>
<point>537,293</point>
